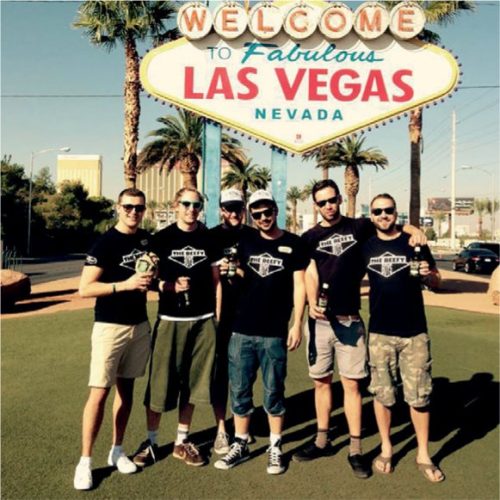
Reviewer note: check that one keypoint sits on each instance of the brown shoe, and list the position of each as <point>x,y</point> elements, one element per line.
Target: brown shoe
<point>188,452</point>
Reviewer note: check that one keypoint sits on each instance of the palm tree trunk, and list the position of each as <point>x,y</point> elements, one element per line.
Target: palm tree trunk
<point>324,172</point>
<point>132,111</point>
<point>294,217</point>
<point>415,128</point>
<point>315,215</point>
<point>480,225</point>
<point>351,181</point>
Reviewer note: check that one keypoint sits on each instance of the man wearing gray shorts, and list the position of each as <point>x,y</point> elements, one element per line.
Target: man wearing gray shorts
<point>121,335</point>
<point>398,337</point>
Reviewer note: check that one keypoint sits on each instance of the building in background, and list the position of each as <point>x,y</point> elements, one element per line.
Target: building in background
<point>84,168</point>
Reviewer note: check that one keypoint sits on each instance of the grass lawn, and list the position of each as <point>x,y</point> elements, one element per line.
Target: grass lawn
<point>44,375</point>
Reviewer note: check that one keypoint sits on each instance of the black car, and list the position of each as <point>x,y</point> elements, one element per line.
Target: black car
<point>494,246</point>
<point>476,260</point>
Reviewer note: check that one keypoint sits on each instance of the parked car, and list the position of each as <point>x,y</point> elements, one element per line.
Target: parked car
<point>475,260</point>
<point>494,246</point>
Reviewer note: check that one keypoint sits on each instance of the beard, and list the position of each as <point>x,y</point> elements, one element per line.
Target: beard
<point>389,229</point>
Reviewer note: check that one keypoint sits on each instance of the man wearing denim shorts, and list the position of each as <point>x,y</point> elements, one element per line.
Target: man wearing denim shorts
<point>121,335</point>
<point>182,360</point>
<point>398,335</point>
<point>336,259</point>
<point>273,262</point>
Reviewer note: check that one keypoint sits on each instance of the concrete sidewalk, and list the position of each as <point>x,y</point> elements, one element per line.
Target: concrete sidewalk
<point>458,291</point>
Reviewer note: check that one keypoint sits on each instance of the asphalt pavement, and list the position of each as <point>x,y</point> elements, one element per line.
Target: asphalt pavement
<point>45,269</point>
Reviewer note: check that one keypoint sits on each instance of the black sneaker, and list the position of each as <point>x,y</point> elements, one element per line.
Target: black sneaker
<point>359,466</point>
<point>146,454</point>
<point>238,453</point>
<point>311,452</point>
<point>275,459</point>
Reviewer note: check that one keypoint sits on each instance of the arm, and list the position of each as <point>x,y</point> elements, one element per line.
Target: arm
<point>90,286</point>
<point>417,236</point>
<point>430,276</point>
<point>218,291</point>
<point>299,302</point>
<point>312,290</point>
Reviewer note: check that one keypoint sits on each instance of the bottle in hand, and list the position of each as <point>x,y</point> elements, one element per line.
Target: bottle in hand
<point>415,262</point>
<point>323,297</point>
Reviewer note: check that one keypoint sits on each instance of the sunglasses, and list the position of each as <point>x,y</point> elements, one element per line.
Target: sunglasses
<point>195,204</point>
<point>266,213</point>
<point>233,207</point>
<point>387,210</point>
<point>332,201</point>
<point>138,208</point>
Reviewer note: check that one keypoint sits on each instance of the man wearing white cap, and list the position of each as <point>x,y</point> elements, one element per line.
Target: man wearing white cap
<point>225,238</point>
<point>272,263</point>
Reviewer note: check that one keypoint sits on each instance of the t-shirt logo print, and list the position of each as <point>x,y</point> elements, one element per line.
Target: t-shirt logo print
<point>188,256</point>
<point>337,244</point>
<point>128,260</point>
<point>265,264</point>
<point>387,264</point>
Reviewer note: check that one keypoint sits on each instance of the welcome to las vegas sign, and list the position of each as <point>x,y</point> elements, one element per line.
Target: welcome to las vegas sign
<point>299,75</point>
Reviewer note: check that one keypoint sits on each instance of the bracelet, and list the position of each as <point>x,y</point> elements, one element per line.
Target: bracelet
<point>114,288</point>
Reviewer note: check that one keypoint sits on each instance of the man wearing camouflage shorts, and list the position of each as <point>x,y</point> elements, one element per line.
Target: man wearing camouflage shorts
<point>398,335</point>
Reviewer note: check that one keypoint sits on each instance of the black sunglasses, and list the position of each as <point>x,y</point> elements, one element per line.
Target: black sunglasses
<point>138,208</point>
<point>195,204</point>
<point>332,201</point>
<point>387,210</point>
<point>266,213</point>
<point>233,207</point>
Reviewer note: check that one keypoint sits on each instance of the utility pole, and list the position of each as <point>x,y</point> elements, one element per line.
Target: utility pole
<point>453,181</point>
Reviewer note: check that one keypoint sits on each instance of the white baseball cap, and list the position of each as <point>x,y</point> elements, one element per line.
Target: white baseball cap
<point>231,196</point>
<point>261,195</point>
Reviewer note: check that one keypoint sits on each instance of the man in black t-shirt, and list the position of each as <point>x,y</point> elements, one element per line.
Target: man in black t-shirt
<point>225,238</point>
<point>273,262</point>
<point>121,334</point>
<point>398,338</point>
<point>182,360</point>
<point>337,332</point>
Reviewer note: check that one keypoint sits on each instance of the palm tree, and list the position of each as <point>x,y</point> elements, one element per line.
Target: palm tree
<point>307,191</point>
<point>441,13</point>
<point>480,206</point>
<point>349,152</point>
<point>439,217</point>
<point>319,154</point>
<point>107,23</point>
<point>246,176</point>
<point>294,195</point>
<point>179,144</point>
<point>491,208</point>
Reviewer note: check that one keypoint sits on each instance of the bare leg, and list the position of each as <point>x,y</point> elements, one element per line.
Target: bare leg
<point>93,414</point>
<point>186,414</point>
<point>352,405</point>
<point>383,416</point>
<point>323,401</point>
<point>122,405</point>
<point>275,423</point>
<point>153,419</point>
<point>241,424</point>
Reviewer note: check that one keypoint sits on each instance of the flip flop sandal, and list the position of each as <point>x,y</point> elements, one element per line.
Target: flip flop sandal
<point>425,468</point>
<point>380,464</point>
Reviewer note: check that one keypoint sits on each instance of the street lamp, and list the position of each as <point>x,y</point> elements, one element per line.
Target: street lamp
<point>471,167</point>
<point>33,154</point>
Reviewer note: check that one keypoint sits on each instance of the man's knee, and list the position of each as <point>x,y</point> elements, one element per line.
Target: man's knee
<point>350,385</point>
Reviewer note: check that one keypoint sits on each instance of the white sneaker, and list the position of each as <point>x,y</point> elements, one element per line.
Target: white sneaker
<point>83,477</point>
<point>122,463</point>
<point>275,460</point>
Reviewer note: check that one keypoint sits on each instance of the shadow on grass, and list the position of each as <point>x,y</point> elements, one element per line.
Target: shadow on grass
<point>31,306</point>
<point>451,286</point>
<point>55,293</point>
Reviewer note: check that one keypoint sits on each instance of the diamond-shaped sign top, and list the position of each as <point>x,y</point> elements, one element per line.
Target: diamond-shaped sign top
<point>299,95</point>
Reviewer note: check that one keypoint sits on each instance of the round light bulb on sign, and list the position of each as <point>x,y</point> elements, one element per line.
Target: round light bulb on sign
<point>301,21</point>
<point>265,20</point>
<point>230,21</point>
<point>371,19</point>
<point>194,21</point>
<point>407,20</point>
<point>336,21</point>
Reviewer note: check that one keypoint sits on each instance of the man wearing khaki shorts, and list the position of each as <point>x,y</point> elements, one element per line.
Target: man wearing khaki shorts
<point>121,334</point>
<point>398,335</point>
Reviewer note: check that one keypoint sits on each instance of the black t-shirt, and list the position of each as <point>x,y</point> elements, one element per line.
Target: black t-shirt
<point>223,240</point>
<point>115,253</point>
<point>266,301</point>
<point>396,302</point>
<point>186,253</point>
<point>337,253</point>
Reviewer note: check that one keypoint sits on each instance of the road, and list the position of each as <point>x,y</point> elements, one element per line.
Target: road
<point>43,270</point>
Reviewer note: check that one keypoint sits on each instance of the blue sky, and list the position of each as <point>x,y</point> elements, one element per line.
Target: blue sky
<point>42,55</point>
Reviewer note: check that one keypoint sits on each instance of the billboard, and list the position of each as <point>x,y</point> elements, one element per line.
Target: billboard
<point>463,206</point>
<point>299,76</point>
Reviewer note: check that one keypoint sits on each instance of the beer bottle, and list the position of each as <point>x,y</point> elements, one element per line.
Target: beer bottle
<point>231,257</point>
<point>415,262</point>
<point>323,297</point>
